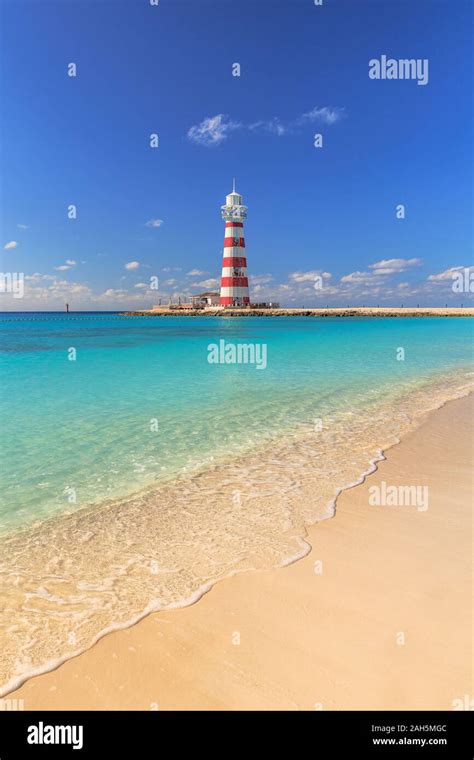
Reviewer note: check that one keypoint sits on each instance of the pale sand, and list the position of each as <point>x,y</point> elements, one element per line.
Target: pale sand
<point>309,639</point>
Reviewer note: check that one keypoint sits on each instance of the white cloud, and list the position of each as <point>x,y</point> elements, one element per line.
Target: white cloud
<point>132,265</point>
<point>394,266</point>
<point>195,273</point>
<point>261,279</point>
<point>68,264</point>
<point>154,223</point>
<point>274,126</point>
<point>49,292</point>
<point>23,226</point>
<point>40,295</point>
<point>324,114</point>
<point>319,114</point>
<point>212,130</point>
<point>215,129</point>
<point>115,293</point>
<point>380,270</point>
<point>448,274</point>
<point>37,277</point>
<point>360,278</point>
<point>308,276</point>
<point>10,245</point>
<point>212,282</point>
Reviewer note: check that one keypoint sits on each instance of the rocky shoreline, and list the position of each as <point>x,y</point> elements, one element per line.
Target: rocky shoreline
<point>347,312</point>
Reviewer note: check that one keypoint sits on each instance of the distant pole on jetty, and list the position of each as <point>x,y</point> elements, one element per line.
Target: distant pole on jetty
<point>67,308</point>
<point>234,280</point>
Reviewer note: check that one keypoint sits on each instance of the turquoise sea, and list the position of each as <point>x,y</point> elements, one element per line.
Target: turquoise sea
<point>87,424</point>
<point>137,474</point>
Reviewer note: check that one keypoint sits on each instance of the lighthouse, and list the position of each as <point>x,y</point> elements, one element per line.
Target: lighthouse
<point>234,280</point>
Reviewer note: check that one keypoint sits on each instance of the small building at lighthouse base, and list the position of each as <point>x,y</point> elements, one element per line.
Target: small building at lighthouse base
<point>206,299</point>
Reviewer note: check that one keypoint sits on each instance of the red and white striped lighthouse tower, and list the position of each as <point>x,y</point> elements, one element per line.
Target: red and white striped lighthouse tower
<point>234,281</point>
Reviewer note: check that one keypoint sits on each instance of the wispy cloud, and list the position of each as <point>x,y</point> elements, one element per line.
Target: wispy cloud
<point>308,276</point>
<point>154,223</point>
<point>379,271</point>
<point>115,292</point>
<point>394,266</point>
<point>322,115</point>
<point>448,274</point>
<point>212,282</point>
<point>213,130</point>
<point>132,265</point>
<point>68,264</point>
<point>358,278</point>
<point>195,273</point>
<point>261,279</point>
<point>23,226</point>
<point>38,277</point>
<point>10,245</point>
<point>274,126</point>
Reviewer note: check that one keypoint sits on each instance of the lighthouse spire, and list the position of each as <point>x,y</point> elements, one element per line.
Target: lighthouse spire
<point>233,185</point>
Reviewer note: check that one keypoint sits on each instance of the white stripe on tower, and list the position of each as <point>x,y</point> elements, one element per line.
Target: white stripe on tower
<point>234,280</point>
<point>234,292</point>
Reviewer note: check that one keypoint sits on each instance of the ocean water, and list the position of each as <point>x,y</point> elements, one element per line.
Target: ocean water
<point>137,475</point>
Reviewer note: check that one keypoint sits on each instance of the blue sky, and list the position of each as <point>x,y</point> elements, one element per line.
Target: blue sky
<point>167,69</point>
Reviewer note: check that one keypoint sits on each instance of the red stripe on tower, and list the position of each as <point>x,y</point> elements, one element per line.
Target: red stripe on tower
<point>234,261</point>
<point>234,281</point>
<point>230,301</point>
<point>232,242</point>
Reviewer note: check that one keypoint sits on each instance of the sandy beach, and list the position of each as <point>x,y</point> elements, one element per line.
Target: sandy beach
<point>377,616</point>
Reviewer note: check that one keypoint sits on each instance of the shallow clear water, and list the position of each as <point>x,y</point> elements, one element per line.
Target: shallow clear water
<point>184,472</point>
<point>141,402</point>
